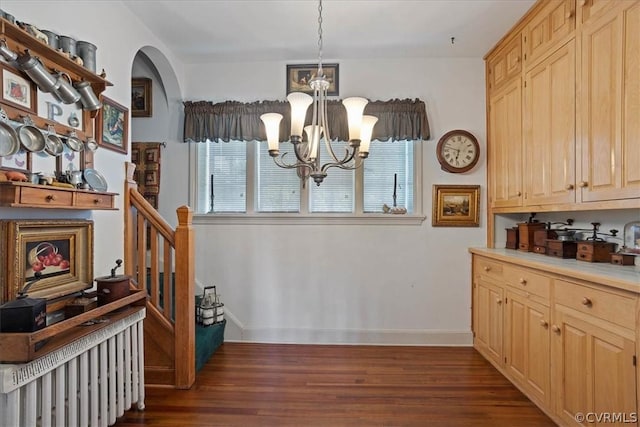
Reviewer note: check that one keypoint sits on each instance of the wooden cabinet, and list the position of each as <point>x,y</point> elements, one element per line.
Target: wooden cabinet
<point>23,195</point>
<point>505,146</point>
<point>594,369</point>
<point>569,337</point>
<point>505,65</point>
<point>610,90</point>
<point>574,132</point>
<point>549,135</point>
<point>548,28</point>
<point>527,353</point>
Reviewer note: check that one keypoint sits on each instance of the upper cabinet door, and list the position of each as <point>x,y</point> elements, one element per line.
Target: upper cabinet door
<point>610,103</point>
<point>505,64</point>
<point>549,27</point>
<point>549,134</point>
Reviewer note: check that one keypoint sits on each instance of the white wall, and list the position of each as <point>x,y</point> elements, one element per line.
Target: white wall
<point>118,35</point>
<point>355,284</point>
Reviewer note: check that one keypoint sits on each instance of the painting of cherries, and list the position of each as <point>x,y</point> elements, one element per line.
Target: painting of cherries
<point>50,258</point>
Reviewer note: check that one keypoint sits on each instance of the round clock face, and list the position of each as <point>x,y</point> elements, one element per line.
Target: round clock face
<point>458,151</point>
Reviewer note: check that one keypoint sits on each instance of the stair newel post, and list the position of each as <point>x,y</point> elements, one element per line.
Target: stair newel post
<point>129,226</point>
<point>185,300</point>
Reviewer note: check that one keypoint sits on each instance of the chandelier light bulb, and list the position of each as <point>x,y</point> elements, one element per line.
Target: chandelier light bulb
<point>313,138</point>
<point>272,126</point>
<point>368,122</point>
<point>355,107</point>
<point>299,104</point>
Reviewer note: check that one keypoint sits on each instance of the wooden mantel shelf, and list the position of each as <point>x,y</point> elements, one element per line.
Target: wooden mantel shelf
<point>25,195</point>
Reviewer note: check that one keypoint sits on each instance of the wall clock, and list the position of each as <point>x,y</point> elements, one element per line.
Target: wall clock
<point>458,151</point>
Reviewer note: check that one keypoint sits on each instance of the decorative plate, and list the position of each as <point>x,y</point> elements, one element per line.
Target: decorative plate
<point>95,180</point>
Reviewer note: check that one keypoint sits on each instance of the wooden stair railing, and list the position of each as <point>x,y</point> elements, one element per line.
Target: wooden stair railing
<point>162,262</point>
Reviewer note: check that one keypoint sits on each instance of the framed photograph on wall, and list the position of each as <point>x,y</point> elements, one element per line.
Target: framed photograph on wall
<point>60,250</point>
<point>456,206</point>
<point>141,97</point>
<point>18,91</point>
<point>112,126</point>
<point>299,75</point>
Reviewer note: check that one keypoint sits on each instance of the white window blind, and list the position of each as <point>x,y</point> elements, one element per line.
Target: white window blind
<point>222,172</point>
<point>277,189</point>
<point>386,159</point>
<point>336,193</point>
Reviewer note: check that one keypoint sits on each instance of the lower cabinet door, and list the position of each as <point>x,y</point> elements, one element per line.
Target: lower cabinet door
<point>594,371</point>
<point>527,351</point>
<point>488,328</point>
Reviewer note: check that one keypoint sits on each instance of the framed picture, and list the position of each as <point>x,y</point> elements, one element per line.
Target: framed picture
<point>456,206</point>
<point>141,99</point>
<point>112,126</point>
<point>61,250</point>
<point>18,91</point>
<point>298,77</point>
<point>21,161</point>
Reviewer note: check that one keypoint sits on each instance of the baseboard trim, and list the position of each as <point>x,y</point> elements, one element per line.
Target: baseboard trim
<point>356,336</point>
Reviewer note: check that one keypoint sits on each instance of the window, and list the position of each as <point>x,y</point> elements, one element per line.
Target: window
<point>241,177</point>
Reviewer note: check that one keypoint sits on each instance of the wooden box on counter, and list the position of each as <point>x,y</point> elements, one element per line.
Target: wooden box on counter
<point>540,238</point>
<point>562,248</point>
<point>595,251</point>
<point>525,234</point>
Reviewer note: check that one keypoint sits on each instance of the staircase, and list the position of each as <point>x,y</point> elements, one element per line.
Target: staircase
<point>161,261</point>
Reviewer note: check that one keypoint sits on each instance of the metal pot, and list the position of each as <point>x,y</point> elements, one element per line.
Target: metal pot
<point>90,101</point>
<point>9,141</point>
<point>73,177</point>
<point>31,138</point>
<point>87,51</point>
<point>33,177</point>
<point>37,72</point>
<point>68,45</point>
<point>64,90</point>
<point>53,144</point>
<point>54,39</point>
<point>74,142</point>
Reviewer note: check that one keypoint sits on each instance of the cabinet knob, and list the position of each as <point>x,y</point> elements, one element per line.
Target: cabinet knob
<point>486,268</point>
<point>556,329</point>
<point>96,201</point>
<point>523,281</point>
<point>519,193</point>
<point>586,302</point>
<point>583,184</point>
<point>499,301</point>
<point>570,187</point>
<point>544,323</point>
<point>50,197</point>
<point>569,14</point>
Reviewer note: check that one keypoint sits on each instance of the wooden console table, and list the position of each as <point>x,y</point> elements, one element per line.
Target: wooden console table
<point>88,381</point>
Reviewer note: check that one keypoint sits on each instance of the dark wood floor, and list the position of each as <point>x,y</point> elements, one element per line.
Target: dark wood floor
<point>320,385</point>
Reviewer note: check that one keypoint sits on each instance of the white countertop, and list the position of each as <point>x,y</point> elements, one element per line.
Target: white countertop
<point>626,277</point>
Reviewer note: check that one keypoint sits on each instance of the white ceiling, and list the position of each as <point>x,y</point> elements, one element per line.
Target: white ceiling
<point>287,30</point>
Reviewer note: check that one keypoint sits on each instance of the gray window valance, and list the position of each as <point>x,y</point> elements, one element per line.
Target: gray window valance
<point>232,120</point>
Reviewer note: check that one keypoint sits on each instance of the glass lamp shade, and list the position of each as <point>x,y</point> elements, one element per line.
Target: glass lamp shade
<point>355,108</point>
<point>368,122</point>
<point>299,104</point>
<point>313,136</point>
<point>272,126</point>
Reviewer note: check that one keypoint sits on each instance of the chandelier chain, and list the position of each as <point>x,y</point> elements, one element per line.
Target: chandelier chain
<point>320,36</point>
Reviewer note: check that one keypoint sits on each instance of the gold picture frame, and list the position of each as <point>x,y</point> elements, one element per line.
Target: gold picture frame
<point>61,250</point>
<point>456,206</point>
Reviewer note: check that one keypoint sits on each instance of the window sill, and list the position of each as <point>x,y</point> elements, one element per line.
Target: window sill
<point>309,219</point>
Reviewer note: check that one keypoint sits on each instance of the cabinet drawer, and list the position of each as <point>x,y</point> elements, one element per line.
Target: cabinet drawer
<point>50,197</point>
<point>484,267</point>
<point>93,201</point>
<point>528,281</point>
<point>614,308</point>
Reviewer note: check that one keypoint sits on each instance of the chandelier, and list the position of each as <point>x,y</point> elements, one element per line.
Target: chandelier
<point>307,152</point>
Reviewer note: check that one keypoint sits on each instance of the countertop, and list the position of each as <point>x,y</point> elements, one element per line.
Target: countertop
<point>625,277</point>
